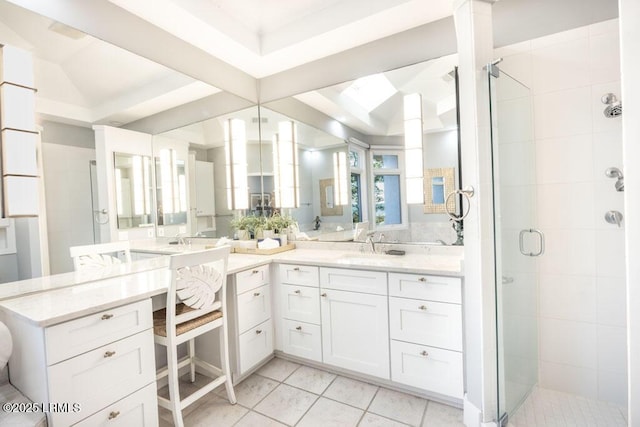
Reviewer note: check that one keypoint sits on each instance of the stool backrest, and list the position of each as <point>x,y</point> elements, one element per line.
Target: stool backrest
<point>99,256</point>
<point>199,281</point>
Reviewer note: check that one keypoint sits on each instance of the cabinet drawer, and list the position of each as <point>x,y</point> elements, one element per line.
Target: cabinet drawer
<point>369,282</point>
<point>300,303</point>
<point>137,409</point>
<point>434,288</point>
<point>428,368</point>
<point>252,278</point>
<point>299,275</point>
<point>302,339</point>
<point>86,333</point>
<point>255,345</point>
<point>102,376</point>
<point>426,322</point>
<point>254,307</point>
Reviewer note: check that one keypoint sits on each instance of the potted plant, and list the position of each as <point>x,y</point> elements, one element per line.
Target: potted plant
<point>247,226</point>
<point>280,225</point>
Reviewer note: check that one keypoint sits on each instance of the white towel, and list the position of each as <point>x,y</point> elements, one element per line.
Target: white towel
<point>268,244</point>
<point>6,345</point>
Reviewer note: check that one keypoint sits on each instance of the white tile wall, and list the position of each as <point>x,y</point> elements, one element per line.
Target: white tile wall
<point>582,316</point>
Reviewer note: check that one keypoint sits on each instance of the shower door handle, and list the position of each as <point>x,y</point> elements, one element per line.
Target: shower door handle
<point>540,235</point>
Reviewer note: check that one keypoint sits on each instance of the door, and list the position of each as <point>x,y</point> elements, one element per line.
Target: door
<point>355,331</point>
<point>518,242</point>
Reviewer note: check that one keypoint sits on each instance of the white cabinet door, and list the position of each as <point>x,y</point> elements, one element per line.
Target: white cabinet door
<point>428,368</point>
<point>300,303</point>
<point>355,331</point>
<point>205,202</point>
<point>255,345</point>
<point>431,323</point>
<point>302,339</point>
<point>254,307</point>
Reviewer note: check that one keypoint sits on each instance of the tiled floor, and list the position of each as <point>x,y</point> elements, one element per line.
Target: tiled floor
<point>550,408</point>
<point>286,393</point>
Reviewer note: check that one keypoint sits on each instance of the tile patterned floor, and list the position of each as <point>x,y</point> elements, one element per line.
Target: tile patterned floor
<point>550,408</point>
<point>283,393</point>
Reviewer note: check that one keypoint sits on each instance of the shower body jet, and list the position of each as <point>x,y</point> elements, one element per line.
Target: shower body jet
<point>616,173</point>
<point>613,108</point>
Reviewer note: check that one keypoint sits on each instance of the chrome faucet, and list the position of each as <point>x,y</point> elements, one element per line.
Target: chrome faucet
<point>371,240</point>
<point>181,239</point>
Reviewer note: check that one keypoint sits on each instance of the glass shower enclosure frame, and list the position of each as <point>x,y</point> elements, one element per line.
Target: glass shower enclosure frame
<point>518,242</point>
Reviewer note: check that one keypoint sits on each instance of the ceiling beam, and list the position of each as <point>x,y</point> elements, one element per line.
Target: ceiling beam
<point>107,22</point>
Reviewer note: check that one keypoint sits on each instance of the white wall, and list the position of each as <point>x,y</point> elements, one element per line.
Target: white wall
<point>68,196</point>
<point>582,334</point>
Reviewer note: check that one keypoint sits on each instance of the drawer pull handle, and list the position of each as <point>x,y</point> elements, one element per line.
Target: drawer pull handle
<point>296,269</point>
<point>109,354</point>
<point>113,414</point>
<point>258,331</point>
<point>324,294</point>
<point>256,294</point>
<point>297,291</point>
<point>423,307</point>
<point>298,328</point>
<point>106,316</point>
<point>255,272</point>
<point>424,353</point>
<point>422,279</point>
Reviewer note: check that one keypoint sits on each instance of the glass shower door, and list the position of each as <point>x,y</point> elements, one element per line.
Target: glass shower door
<point>518,242</point>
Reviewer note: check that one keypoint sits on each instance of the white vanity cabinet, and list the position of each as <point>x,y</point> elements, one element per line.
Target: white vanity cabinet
<point>354,311</point>
<point>251,329</point>
<point>102,362</point>
<point>300,311</point>
<point>425,320</point>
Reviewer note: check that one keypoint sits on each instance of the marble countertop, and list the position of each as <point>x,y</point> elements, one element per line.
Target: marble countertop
<point>54,299</point>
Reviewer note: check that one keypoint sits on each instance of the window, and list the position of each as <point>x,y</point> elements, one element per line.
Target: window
<point>357,164</point>
<point>388,189</point>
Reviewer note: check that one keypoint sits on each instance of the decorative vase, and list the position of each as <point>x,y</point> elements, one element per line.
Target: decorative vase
<point>243,234</point>
<point>283,239</point>
<point>268,234</point>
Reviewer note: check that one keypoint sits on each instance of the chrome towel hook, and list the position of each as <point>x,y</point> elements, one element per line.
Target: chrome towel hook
<point>467,192</point>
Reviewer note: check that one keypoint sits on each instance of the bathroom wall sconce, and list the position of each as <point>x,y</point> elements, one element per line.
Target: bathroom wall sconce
<point>235,148</point>
<point>340,173</point>
<point>285,166</point>
<point>414,173</point>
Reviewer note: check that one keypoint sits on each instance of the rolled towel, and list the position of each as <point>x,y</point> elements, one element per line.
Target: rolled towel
<point>6,345</point>
<point>268,244</point>
<point>223,241</point>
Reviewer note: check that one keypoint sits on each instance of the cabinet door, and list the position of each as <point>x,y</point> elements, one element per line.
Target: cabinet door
<point>426,322</point>
<point>102,376</point>
<point>205,202</point>
<point>254,307</point>
<point>428,368</point>
<point>300,303</point>
<point>302,339</point>
<point>137,409</point>
<point>355,331</point>
<point>255,345</point>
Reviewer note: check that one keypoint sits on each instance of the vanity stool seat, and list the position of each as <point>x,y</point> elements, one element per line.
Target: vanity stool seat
<point>196,304</point>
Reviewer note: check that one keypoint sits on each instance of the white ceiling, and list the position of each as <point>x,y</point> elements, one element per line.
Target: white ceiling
<point>87,81</point>
<point>241,47</point>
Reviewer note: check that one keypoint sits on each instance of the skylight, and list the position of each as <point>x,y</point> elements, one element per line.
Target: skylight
<point>371,91</point>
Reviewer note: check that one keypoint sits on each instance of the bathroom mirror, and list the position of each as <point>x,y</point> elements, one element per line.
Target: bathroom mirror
<point>372,109</point>
<point>171,188</point>
<point>134,190</point>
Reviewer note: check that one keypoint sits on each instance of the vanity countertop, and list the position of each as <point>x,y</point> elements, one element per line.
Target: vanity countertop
<point>54,299</point>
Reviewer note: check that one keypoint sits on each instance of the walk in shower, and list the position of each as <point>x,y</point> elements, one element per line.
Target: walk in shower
<point>518,241</point>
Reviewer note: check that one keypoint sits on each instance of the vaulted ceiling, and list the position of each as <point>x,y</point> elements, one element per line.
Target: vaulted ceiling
<point>137,62</point>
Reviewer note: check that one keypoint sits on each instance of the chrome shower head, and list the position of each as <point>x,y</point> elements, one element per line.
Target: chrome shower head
<point>614,107</point>
<point>616,173</point>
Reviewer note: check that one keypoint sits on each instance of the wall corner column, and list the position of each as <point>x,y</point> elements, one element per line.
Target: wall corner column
<point>473,22</point>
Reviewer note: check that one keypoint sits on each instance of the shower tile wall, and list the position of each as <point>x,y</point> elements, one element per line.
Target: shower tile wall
<point>581,292</point>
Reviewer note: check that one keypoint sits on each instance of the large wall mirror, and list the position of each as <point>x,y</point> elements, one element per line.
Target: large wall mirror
<point>380,197</point>
<point>344,182</point>
<point>134,190</point>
